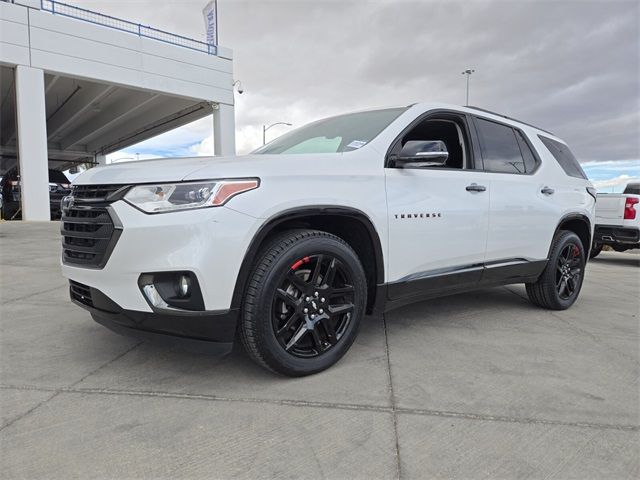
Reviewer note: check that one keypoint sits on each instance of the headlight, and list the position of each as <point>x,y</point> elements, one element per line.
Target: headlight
<point>169,197</point>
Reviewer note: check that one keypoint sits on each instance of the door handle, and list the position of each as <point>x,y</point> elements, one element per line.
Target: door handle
<point>474,187</point>
<point>547,191</point>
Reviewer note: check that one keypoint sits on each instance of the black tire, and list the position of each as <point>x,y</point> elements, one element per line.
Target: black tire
<point>276,330</point>
<point>559,285</point>
<point>619,248</point>
<point>595,250</point>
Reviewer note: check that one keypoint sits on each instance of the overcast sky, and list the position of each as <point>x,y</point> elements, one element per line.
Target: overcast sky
<point>572,67</point>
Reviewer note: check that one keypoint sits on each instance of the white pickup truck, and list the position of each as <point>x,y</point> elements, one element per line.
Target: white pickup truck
<point>617,220</point>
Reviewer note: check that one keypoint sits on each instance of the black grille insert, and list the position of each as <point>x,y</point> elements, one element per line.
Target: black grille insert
<point>95,192</point>
<point>88,230</point>
<point>80,293</point>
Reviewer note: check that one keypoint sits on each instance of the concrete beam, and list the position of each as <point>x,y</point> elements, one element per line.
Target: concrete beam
<point>50,83</point>
<point>32,143</point>
<point>102,122</point>
<point>9,135</point>
<point>53,150</point>
<point>82,101</point>
<point>168,115</point>
<point>224,133</point>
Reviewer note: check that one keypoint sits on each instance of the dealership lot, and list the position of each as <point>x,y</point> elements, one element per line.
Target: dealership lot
<point>482,385</point>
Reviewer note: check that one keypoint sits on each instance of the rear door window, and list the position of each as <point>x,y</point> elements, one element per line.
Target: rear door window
<point>500,150</point>
<point>564,157</point>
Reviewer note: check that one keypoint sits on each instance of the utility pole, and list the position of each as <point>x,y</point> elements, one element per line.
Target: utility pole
<point>468,73</point>
<point>265,128</point>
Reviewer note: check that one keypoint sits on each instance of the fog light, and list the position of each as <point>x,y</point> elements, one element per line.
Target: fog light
<point>177,291</point>
<point>184,286</point>
<point>154,297</point>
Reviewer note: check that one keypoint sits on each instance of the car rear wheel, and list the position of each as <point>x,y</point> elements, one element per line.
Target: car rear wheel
<point>560,283</point>
<point>304,303</point>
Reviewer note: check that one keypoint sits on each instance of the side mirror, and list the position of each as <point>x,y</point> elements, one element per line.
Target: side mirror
<point>73,170</point>
<point>423,153</point>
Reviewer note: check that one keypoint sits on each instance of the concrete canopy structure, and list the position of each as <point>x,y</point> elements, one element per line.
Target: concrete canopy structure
<point>76,85</point>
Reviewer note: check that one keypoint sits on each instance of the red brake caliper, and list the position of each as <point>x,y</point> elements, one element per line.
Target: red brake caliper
<point>302,261</point>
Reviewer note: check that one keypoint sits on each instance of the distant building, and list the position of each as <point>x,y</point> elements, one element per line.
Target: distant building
<point>76,85</point>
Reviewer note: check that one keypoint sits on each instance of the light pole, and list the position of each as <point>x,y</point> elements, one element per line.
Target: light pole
<point>265,128</point>
<point>468,73</point>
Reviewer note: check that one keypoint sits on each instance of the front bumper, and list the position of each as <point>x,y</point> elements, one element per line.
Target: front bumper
<point>210,242</point>
<point>207,331</point>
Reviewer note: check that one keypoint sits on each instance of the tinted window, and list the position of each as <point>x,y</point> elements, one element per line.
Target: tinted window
<point>55,176</point>
<point>633,189</point>
<point>500,150</point>
<point>530,160</point>
<point>564,157</point>
<point>451,132</point>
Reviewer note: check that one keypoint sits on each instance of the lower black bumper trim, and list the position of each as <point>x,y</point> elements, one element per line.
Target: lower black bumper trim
<point>191,344</point>
<point>206,331</point>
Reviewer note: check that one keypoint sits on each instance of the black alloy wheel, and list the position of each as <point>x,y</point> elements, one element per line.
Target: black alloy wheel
<point>313,305</point>
<point>558,286</point>
<point>304,302</point>
<point>568,271</point>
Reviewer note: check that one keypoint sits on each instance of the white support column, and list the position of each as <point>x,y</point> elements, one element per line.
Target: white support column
<point>224,130</point>
<point>32,143</point>
<point>100,160</point>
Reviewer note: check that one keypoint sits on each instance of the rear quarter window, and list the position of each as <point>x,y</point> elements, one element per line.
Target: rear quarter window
<point>564,157</point>
<point>632,189</point>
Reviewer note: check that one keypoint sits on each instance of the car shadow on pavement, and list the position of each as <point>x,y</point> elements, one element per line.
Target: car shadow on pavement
<point>633,260</point>
<point>468,310</point>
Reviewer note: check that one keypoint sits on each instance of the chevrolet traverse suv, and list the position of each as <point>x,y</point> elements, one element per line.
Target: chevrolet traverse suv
<point>292,246</point>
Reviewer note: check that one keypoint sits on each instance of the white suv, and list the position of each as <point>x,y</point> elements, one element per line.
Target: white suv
<point>350,216</point>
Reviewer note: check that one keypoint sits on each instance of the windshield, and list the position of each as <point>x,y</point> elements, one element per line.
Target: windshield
<point>55,176</point>
<point>343,133</point>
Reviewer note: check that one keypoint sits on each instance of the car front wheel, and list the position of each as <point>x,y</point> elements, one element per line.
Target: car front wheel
<point>304,302</point>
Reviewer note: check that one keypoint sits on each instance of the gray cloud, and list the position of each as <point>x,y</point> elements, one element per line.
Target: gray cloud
<point>572,67</point>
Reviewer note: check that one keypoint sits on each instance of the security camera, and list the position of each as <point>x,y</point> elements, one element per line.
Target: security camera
<point>238,85</point>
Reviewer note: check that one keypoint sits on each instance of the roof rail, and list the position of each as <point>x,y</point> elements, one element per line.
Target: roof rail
<point>510,118</point>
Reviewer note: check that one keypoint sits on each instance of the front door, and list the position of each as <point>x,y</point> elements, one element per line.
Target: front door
<point>438,216</point>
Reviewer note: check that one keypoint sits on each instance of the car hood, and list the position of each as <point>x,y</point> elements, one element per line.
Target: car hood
<point>198,168</point>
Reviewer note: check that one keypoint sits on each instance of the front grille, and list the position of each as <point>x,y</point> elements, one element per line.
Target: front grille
<point>80,293</point>
<point>94,192</point>
<point>88,230</point>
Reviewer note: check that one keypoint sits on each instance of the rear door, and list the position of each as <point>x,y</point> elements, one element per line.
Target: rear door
<point>523,210</point>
